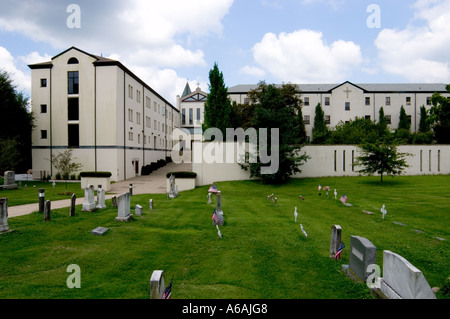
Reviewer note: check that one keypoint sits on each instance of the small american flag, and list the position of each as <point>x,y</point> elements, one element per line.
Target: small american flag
<point>213,189</point>
<point>344,198</point>
<point>339,251</point>
<point>215,217</point>
<point>168,291</point>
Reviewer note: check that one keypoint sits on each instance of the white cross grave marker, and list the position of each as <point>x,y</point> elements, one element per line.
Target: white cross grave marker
<point>303,231</point>
<point>335,194</point>
<point>295,214</point>
<point>383,210</point>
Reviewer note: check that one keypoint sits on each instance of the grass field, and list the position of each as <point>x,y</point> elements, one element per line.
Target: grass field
<point>263,253</point>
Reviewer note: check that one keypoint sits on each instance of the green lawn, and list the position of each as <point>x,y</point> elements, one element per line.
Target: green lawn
<point>28,192</point>
<point>263,253</point>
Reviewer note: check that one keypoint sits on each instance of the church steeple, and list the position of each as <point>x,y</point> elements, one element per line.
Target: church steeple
<point>187,90</point>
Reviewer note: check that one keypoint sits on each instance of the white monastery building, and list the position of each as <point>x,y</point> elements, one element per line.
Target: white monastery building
<point>111,119</point>
<point>345,101</point>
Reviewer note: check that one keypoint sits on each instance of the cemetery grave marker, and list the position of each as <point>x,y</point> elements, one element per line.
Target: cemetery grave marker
<point>100,197</point>
<point>9,180</point>
<point>89,203</point>
<point>72,205</point>
<point>114,201</point>
<point>219,203</point>
<point>99,231</point>
<point>173,189</point>
<point>47,211</point>
<point>138,210</point>
<point>336,233</point>
<point>4,227</point>
<point>295,214</point>
<point>303,231</point>
<point>157,284</point>
<point>383,210</point>
<point>150,204</point>
<point>362,254</point>
<point>401,280</point>
<point>123,212</point>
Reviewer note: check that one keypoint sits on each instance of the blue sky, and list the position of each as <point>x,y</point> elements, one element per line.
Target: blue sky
<point>167,43</point>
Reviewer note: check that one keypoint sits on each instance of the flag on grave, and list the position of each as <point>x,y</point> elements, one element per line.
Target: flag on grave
<point>213,188</point>
<point>215,217</point>
<point>320,187</point>
<point>168,291</point>
<point>344,198</point>
<point>339,251</point>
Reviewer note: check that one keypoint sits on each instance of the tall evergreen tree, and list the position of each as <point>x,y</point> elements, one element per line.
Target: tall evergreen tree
<point>320,131</point>
<point>440,117</point>
<point>424,124</point>
<point>403,122</point>
<point>218,108</point>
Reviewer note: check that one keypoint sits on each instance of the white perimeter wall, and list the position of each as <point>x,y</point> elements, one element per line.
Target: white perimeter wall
<point>326,160</point>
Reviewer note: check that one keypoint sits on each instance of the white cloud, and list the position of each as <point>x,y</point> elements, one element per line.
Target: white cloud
<point>419,53</point>
<point>21,80</point>
<point>253,71</point>
<point>304,57</point>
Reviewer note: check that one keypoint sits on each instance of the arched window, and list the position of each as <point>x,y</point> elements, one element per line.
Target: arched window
<point>72,61</point>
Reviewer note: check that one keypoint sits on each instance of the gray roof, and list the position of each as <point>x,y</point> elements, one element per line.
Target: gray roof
<point>368,87</point>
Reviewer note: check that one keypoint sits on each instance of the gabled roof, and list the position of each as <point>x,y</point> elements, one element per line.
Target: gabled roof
<point>197,96</point>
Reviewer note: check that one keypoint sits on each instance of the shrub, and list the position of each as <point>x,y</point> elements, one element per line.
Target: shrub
<point>182,174</point>
<point>95,174</point>
<point>58,176</point>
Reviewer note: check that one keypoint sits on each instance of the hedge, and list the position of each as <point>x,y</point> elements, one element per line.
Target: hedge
<point>182,174</point>
<point>95,174</point>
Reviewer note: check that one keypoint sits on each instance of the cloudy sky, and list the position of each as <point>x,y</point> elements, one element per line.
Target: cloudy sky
<point>169,42</point>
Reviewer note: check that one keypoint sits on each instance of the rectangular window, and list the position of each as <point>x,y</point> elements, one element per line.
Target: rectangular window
<point>138,96</point>
<point>43,83</point>
<point>388,100</point>
<point>148,102</point>
<point>335,158</point>
<point>306,101</point>
<point>347,106</point>
<point>429,160</point>
<point>130,136</point>
<point>439,161</point>
<point>421,153</point>
<point>367,117</point>
<point>343,160</point>
<point>198,114</point>
<point>130,91</point>
<point>327,119</point>
<point>429,100</point>
<point>367,100</point>
<point>327,100</point>
<point>306,119</point>
<point>183,117</point>
<point>408,100</point>
<point>138,118</point>
<point>43,108</point>
<point>73,82</point>
<point>44,134</point>
<point>388,119</point>
<point>130,115</point>
<point>191,116</point>
<point>148,122</point>
<point>353,160</point>
<point>409,118</point>
<point>73,109</point>
<point>74,135</point>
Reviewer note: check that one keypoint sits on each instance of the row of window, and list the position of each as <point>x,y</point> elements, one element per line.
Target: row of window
<point>191,116</point>
<point>367,101</point>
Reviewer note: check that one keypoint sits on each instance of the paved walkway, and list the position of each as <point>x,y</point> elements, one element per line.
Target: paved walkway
<point>155,183</point>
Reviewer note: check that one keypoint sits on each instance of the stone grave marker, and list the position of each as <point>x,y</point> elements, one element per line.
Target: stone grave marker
<point>4,227</point>
<point>362,254</point>
<point>138,210</point>
<point>47,211</point>
<point>123,211</point>
<point>100,197</point>
<point>73,200</point>
<point>383,210</point>
<point>401,280</point>
<point>209,198</point>
<point>114,201</point>
<point>295,214</point>
<point>173,189</point>
<point>157,284</point>
<point>219,210</point>
<point>89,203</point>
<point>9,181</point>
<point>99,231</point>
<point>336,233</point>
<point>150,204</point>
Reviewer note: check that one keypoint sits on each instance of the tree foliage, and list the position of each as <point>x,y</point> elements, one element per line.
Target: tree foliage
<point>403,123</point>
<point>16,126</point>
<point>278,108</point>
<point>218,105</point>
<point>440,117</point>
<point>381,158</point>
<point>424,124</point>
<point>356,131</point>
<point>62,161</point>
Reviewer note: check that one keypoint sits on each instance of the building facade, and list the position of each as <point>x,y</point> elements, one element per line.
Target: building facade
<point>345,101</point>
<point>112,120</point>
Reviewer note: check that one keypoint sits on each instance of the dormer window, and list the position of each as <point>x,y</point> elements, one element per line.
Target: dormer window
<point>73,61</point>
